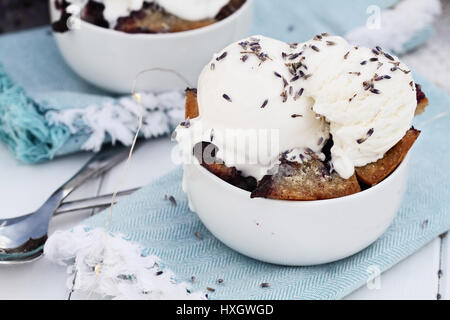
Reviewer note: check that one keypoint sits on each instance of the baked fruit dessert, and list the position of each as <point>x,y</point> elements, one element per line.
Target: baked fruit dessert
<point>343,117</point>
<point>148,16</point>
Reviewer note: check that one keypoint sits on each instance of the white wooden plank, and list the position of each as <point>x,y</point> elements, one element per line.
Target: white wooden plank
<point>23,188</point>
<point>444,275</point>
<point>412,279</point>
<point>43,279</point>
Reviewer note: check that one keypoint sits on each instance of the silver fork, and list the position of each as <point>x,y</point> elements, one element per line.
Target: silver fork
<point>22,239</point>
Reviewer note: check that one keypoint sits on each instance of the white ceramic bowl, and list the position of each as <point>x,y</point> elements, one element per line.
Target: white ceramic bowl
<point>111,59</point>
<point>295,233</point>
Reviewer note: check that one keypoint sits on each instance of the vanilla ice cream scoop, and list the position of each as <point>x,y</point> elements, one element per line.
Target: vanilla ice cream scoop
<point>247,99</point>
<point>366,95</point>
<point>301,93</point>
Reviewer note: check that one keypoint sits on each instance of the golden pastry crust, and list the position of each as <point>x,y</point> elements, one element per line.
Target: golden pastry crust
<point>375,172</point>
<point>311,180</point>
<point>191,107</point>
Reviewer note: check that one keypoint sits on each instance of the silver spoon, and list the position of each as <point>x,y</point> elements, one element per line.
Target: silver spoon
<point>22,239</point>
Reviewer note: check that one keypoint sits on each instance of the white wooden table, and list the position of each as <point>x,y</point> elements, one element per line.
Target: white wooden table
<point>414,278</point>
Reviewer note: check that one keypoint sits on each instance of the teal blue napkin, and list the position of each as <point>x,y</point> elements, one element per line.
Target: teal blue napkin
<point>168,231</point>
<point>35,82</point>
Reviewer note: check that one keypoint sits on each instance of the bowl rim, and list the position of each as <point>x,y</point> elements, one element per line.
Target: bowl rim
<point>173,35</point>
<point>307,203</point>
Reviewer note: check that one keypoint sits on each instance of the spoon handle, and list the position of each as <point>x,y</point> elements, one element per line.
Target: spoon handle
<point>96,166</point>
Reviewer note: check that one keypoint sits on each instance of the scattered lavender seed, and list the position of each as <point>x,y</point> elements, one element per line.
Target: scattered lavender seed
<point>285,83</point>
<point>264,285</point>
<point>355,73</point>
<point>351,99</point>
<point>387,55</point>
<point>198,235</point>
<point>364,62</point>
<point>387,77</point>
<point>375,51</point>
<point>172,200</point>
<point>265,103</point>
<point>284,55</point>
<point>295,78</point>
<point>186,123</point>
<point>243,44</point>
<point>376,91</point>
<point>307,76</point>
<point>331,43</point>
<point>193,279</point>
<point>210,289</point>
<point>379,48</point>
<point>222,56</point>
<point>244,58</point>
<point>325,34</point>
<point>370,132</point>
<point>318,37</point>
<point>293,45</point>
<point>159,273</point>
<point>394,69</point>
<point>301,92</point>
<point>220,281</point>
<point>277,74</point>
<point>226,97</point>
<point>284,96</point>
<point>291,90</point>
<point>294,56</point>
<point>315,48</point>
<point>320,141</point>
<point>373,59</point>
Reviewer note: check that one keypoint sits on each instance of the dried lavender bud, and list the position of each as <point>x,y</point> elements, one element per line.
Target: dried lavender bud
<point>373,59</point>
<point>387,55</point>
<point>227,97</point>
<point>363,62</point>
<point>376,91</point>
<point>315,48</point>
<point>244,58</point>
<point>277,74</point>
<point>300,92</point>
<point>295,78</point>
<point>320,141</point>
<point>375,51</point>
<point>222,56</point>
<point>265,103</point>
<point>172,200</point>
<point>198,235</point>
<point>264,285</point>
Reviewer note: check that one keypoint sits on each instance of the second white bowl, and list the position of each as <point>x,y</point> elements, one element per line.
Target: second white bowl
<point>111,59</point>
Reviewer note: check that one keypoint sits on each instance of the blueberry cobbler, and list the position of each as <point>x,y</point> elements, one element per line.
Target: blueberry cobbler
<point>144,16</point>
